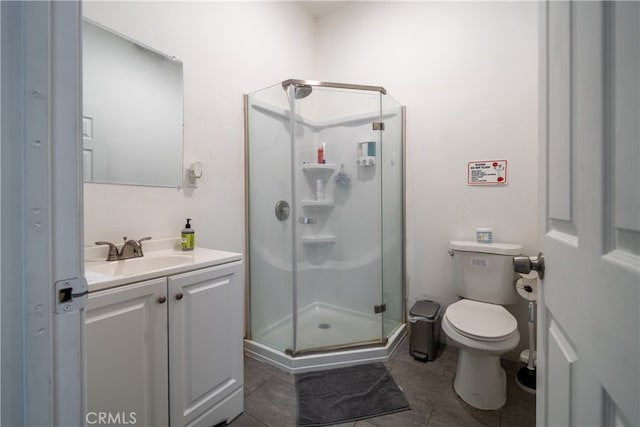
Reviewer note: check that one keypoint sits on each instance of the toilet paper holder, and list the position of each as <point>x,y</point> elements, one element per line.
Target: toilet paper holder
<point>524,264</point>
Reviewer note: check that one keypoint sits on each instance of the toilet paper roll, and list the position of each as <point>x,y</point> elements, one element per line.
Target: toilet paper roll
<point>527,288</point>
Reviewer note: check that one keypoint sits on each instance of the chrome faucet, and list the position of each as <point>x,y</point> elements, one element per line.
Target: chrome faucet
<point>130,249</point>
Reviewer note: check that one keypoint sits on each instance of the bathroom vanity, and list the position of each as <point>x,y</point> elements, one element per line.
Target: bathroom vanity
<point>164,337</point>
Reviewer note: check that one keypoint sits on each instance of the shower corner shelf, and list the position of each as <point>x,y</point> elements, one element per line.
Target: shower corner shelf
<point>317,203</point>
<point>318,166</point>
<point>313,239</point>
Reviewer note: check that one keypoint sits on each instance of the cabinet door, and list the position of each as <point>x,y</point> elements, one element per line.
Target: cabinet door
<point>126,338</point>
<point>205,345</point>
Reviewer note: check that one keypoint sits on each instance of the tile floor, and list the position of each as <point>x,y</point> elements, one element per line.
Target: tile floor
<point>270,396</point>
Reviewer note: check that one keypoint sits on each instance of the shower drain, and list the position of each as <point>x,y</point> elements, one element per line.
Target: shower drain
<point>324,326</point>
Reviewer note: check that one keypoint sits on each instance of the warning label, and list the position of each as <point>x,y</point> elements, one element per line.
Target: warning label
<point>487,172</point>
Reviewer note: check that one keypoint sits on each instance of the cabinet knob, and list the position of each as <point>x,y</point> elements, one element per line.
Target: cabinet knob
<point>179,296</point>
<point>162,299</point>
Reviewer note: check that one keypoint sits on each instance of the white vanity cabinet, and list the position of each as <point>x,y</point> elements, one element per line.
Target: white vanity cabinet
<point>126,353</point>
<point>205,345</point>
<point>168,351</point>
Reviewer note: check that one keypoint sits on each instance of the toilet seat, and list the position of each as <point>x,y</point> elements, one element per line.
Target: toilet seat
<point>481,321</point>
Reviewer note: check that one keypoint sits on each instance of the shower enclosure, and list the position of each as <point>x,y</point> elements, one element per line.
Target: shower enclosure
<point>325,224</point>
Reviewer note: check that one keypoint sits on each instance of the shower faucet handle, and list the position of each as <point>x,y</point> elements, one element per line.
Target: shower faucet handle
<point>282,210</point>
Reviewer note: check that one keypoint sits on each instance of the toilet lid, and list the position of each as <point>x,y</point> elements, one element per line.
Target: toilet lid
<point>480,320</point>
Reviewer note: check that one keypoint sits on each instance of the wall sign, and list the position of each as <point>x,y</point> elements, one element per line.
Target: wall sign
<point>487,172</point>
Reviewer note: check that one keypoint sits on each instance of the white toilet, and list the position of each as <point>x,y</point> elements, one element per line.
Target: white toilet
<point>478,324</point>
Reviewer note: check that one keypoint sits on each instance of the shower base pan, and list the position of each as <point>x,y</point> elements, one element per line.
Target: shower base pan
<point>322,325</point>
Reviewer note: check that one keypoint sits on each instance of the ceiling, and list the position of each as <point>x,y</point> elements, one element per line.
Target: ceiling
<point>321,8</point>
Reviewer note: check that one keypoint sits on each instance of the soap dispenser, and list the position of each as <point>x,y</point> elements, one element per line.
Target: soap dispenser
<point>188,237</point>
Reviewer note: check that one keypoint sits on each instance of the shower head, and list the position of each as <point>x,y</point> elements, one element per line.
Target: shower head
<point>302,91</point>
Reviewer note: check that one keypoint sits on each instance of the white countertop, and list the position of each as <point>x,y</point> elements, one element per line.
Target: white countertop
<point>190,260</point>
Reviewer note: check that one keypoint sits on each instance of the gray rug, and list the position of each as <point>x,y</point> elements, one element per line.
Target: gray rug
<point>347,394</point>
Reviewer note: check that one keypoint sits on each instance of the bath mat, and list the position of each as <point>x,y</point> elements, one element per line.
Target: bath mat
<point>348,394</point>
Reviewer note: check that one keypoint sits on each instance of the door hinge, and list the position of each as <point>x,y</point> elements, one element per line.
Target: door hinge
<point>378,126</point>
<point>379,308</point>
<point>71,295</point>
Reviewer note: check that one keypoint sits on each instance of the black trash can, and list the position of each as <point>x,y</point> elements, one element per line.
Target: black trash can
<point>424,330</point>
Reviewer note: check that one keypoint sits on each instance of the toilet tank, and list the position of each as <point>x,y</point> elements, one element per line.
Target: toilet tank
<point>484,271</point>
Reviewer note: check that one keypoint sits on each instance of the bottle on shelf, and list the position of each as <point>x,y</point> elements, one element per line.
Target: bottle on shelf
<point>319,189</point>
<point>320,154</point>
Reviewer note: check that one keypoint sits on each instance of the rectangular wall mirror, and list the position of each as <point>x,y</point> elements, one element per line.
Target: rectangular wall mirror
<point>132,111</point>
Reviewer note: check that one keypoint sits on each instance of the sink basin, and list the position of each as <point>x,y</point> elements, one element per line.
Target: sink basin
<point>162,258</point>
<point>137,266</point>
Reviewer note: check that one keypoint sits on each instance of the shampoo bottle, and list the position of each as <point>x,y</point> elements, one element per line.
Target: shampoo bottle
<point>320,156</point>
<point>188,237</point>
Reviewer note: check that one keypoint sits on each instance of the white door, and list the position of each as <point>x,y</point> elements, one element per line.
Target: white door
<point>41,200</point>
<point>588,336</point>
<point>94,158</point>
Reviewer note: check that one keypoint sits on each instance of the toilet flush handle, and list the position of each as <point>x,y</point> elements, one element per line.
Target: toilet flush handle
<point>524,264</point>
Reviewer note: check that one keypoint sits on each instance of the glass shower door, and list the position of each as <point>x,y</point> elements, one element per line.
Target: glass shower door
<point>338,277</point>
<point>269,206</point>
<point>392,167</point>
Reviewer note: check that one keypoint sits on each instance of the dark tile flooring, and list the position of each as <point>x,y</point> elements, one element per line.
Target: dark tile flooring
<point>270,396</point>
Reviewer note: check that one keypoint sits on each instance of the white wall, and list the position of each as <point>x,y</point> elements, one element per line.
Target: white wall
<point>467,73</point>
<point>228,49</point>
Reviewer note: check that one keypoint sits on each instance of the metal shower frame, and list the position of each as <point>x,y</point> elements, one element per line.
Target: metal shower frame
<point>299,83</point>
<point>296,82</point>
